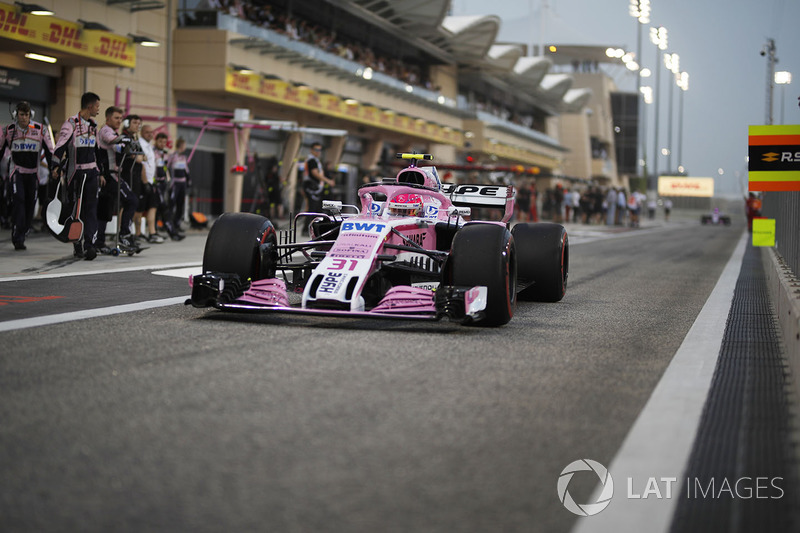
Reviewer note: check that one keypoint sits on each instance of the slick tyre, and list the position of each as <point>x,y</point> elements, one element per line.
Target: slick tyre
<point>241,243</point>
<point>542,261</point>
<point>484,254</point>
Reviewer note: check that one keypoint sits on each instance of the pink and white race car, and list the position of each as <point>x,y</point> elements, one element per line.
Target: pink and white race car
<point>406,252</point>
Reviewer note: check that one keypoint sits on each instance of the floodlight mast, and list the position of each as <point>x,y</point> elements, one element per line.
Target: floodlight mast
<point>769,51</point>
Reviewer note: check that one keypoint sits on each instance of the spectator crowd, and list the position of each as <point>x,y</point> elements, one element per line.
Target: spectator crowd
<point>264,15</point>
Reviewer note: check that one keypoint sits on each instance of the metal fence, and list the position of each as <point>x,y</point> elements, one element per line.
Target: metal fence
<point>784,207</point>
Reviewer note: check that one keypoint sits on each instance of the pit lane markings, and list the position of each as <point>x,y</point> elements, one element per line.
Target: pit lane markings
<point>59,318</point>
<point>5,300</point>
<point>102,271</point>
<point>661,439</point>
<point>180,272</point>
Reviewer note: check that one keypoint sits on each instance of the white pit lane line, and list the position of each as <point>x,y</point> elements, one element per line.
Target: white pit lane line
<point>24,323</point>
<point>48,320</point>
<point>660,441</point>
<point>180,272</point>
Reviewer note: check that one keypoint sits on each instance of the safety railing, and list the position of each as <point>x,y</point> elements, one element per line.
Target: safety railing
<point>784,207</point>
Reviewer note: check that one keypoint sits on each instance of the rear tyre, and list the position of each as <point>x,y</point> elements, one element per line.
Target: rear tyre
<point>484,254</point>
<point>543,261</point>
<point>241,243</point>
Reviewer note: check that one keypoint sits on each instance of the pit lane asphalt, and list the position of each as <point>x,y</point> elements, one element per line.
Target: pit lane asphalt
<point>178,419</point>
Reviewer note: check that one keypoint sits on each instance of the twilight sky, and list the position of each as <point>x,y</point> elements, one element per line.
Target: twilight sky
<point>719,44</point>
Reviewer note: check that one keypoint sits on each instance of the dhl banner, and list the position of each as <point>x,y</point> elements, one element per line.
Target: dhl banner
<point>685,186</point>
<point>65,36</point>
<point>282,92</point>
<point>774,158</point>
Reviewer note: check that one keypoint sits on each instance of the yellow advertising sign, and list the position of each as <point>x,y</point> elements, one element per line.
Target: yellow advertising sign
<point>67,37</point>
<point>685,186</point>
<point>763,232</point>
<point>773,158</point>
<point>285,93</point>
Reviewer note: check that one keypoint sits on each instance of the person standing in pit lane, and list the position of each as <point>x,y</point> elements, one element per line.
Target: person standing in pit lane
<point>25,139</point>
<point>314,179</point>
<point>162,183</point>
<point>178,165</point>
<point>111,145</point>
<point>75,158</point>
<point>149,198</point>
<point>132,171</point>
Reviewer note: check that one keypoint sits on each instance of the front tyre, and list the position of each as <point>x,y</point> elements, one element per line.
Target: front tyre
<point>543,261</point>
<point>241,243</point>
<point>484,254</point>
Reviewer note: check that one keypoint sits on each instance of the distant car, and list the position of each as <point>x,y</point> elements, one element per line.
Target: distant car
<point>408,252</point>
<point>715,218</point>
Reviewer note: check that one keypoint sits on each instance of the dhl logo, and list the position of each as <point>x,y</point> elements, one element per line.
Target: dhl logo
<point>241,81</point>
<point>64,36</point>
<point>312,99</point>
<point>268,87</point>
<point>770,157</point>
<point>13,23</point>
<point>292,94</point>
<point>113,48</point>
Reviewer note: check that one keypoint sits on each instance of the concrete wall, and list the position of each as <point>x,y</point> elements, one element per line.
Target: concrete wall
<point>784,288</point>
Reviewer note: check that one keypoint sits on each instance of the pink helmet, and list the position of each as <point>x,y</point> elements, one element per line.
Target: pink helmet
<point>406,205</point>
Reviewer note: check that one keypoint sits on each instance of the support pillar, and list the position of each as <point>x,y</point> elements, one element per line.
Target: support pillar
<point>236,152</point>
<point>333,154</point>
<point>288,168</point>
<point>372,154</point>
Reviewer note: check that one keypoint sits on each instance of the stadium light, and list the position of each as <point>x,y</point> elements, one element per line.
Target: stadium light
<point>640,10</point>
<point>34,9</point>
<point>783,78</point>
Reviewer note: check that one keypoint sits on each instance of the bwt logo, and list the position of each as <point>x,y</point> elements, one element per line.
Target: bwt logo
<point>24,147</point>
<point>586,509</point>
<point>363,226</point>
<point>86,142</point>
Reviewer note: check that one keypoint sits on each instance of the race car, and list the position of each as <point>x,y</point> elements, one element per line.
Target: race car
<point>408,251</point>
<point>715,218</point>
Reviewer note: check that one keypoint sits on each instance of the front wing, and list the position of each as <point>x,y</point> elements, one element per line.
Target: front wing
<point>228,292</point>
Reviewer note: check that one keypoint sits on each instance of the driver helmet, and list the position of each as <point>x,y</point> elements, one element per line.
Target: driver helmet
<point>425,176</point>
<point>405,205</point>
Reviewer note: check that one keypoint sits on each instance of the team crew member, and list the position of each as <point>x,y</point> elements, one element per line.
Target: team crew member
<point>26,139</point>
<point>132,171</point>
<point>75,156</point>
<point>314,179</point>
<point>149,198</point>
<point>111,145</point>
<point>178,165</point>
<point>162,185</point>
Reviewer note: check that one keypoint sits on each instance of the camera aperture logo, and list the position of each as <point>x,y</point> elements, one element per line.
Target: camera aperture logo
<point>586,509</point>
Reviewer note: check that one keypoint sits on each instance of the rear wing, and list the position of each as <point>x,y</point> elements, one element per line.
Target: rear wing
<point>477,196</point>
